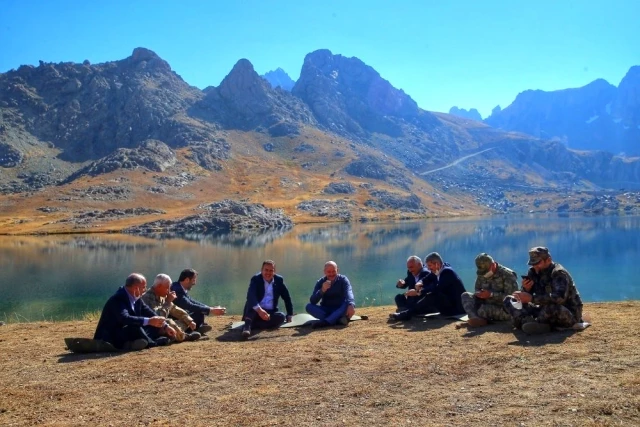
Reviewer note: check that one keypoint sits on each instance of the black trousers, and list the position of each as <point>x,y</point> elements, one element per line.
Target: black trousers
<point>430,303</point>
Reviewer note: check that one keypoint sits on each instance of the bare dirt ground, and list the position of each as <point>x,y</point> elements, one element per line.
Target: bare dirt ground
<point>369,373</point>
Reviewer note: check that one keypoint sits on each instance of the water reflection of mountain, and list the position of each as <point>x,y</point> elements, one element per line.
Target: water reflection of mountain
<point>241,238</point>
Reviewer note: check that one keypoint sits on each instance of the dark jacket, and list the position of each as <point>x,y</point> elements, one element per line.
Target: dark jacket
<point>410,281</point>
<point>117,313</point>
<point>256,293</point>
<point>339,292</point>
<point>185,302</point>
<point>448,285</point>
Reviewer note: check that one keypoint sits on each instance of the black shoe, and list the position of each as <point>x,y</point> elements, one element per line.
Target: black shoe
<point>136,345</point>
<point>343,321</point>
<point>203,337</point>
<point>204,328</point>
<point>320,324</point>
<point>535,328</point>
<point>192,336</point>
<point>246,331</point>
<point>158,342</point>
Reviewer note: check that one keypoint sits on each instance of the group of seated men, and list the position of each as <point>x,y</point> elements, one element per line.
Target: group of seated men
<point>547,298</point>
<point>135,318</point>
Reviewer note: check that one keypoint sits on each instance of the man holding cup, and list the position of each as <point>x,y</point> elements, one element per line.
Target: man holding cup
<point>548,297</point>
<point>335,295</point>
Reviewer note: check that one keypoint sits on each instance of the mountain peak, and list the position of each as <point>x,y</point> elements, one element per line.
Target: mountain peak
<point>143,58</point>
<point>472,113</point>
<point>243,79</point>
<point>279,78</point>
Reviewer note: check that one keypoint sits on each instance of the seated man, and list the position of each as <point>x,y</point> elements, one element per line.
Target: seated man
<point>197,310</point>
<point>127,323</point>
<point>334,290</point>
<point>439,293</point>
<point>548,296</point>
<point>160,300</point>
<point>415,273</point>
<point>494,282</point>
<point>261,309</point>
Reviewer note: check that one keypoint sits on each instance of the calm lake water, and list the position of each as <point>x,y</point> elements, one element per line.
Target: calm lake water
<point>61,277</point>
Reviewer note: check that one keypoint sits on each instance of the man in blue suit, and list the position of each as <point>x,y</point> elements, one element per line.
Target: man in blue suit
<point>128,323</point>
<point>334,290</point>
<point>197,310</point>
<point>261,308</point>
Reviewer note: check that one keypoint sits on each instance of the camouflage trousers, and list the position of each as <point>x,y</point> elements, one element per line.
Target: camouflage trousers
<point>179,330</point>
<point>477,308</point>
<point>553,314</point>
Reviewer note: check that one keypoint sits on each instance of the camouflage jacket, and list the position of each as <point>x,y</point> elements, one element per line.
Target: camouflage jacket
<point>503,282</point>
<point>554,285</point>
<point>164,308</point>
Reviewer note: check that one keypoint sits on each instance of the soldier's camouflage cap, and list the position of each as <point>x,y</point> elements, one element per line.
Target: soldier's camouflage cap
<point>483,262</point>
<point>537,254</point>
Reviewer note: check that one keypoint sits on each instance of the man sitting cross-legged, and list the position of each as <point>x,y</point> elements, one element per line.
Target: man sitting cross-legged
<point>333,292</point>
<point>197,310</point>
<point>415,274</point>
<point>160,300</point>
<point>128,323</point>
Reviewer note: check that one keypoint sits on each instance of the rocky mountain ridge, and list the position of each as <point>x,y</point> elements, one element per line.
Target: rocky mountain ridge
<point>598,116</point>
<point>134,132</point>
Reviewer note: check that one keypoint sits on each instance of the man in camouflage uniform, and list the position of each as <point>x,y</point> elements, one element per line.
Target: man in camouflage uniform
<point>160,300</point>
<point>548,296</point>
<point>493,284</point>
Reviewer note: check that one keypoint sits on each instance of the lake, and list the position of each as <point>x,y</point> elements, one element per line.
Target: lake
<point>62,277</point>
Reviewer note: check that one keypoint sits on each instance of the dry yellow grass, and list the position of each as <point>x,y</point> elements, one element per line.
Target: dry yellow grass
<point>370,373</point>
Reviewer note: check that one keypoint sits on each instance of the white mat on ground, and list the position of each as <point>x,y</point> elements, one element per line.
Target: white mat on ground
<point>297,320</point>
<point>461,317</point>
<point>581,326</point>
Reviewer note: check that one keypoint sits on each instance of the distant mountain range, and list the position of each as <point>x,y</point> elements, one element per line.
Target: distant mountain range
<point>343,144</point>
<point>279,78</point>
<point>472,114</point>
<point>598,116</point>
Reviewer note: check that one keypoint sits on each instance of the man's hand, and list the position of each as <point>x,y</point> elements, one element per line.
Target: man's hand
<point>483,294</point>
<point>523,297</point>
<point>263,314</point>
<point>419,286</point>
<point>527,284</point>
<point>171,333</point>
<point>400,283</point>
<point>217,311</point>
<point>326,285</point>
<point>288,319</point>
<point>171,296</point>
<point>410,293</point>
<point>157,321</point>
<point>351,310</point>
<point>192,325</point>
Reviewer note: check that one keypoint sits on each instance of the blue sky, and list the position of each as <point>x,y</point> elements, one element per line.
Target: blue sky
<point>442,53</point>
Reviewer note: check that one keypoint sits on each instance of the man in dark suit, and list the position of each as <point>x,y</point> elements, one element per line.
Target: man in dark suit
<point>128,323</point>
<point>415,273</point>
<point>261,308</point>
<point>440,292</point>
<point>197,310</point>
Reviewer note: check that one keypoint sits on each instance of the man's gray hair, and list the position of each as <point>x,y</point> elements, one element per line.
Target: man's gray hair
<point>434,256</point>
<point>415,258</point>
<point>161,278</point>
<point>330,263</point>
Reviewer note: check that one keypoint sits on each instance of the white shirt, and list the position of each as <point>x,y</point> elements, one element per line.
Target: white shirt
<point>267,300</point>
